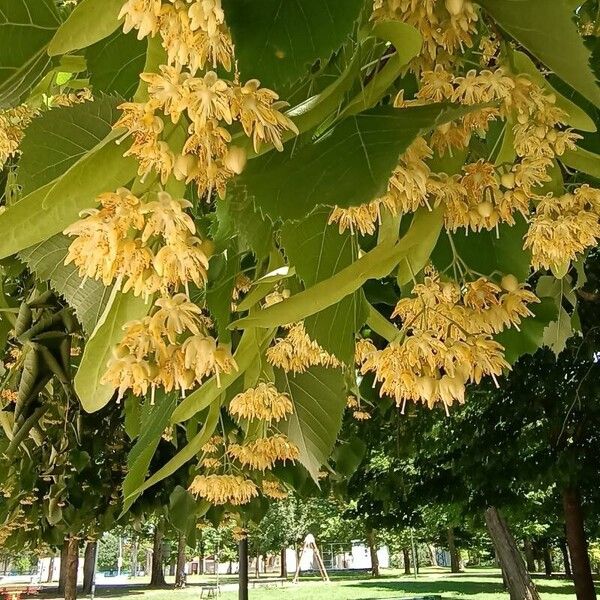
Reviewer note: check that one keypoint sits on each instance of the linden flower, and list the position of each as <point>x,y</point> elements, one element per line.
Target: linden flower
<point>209,98</point>
<point>297,352</point>
<point>224,489</point>
<point>273,489</point>
<point>212,445</point>
<point>13,122</point>
<point>258,111</point>
<point>142,15</point>
<point>210,463</point>
<point>263,453</point>
<point>361,218</point>
<point>361,415</point>
<point>169,90</point>
<point>564,227</point>
<point>352,402</point>
<point>128,373</point>
<point>263,402</point>
<point>175,315</point>
<point>205,357</point>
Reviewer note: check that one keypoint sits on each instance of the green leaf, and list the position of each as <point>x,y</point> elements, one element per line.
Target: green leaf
<point>253,342</point>
<point>222,273</point>
<point>183,456</point>
<point>319,402</point>
<point>558,332</point>
<point>182,508</point>
<point>58,204</point>
<point>582,160</point>
<point>577,117</point>
<point>46,261</point>
<point>359,155</point>
<point>115,64</point>
<point>58,138</point>
<point>407,42</point>
<point>546,28</point>
<point>418,256</point>
<point>376,264</point>
<point>317,251</point>
<point>121,309</point>
<point>90,22</point>
<point>277,41</point>
<point>486,252</point>
<point>153,423</point>
<point>531,335</point>
<point>26,27</point>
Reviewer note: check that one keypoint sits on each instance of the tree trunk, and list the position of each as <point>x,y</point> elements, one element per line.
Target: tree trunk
<point>283,573</point>
<point>432,555</point>
<point>373,550</point>
<point>548,566</point>
<point>89,566</point>
<point>72,560</point>
<point>518,581</point>
<point>529,556</point>
<point>566,559</point>
<point>406,559</point>
<point>157,579</point>
<point>62,575</point>
<point>134,556</point>
<point>580,561</point>
<point>243,570</point>
<point>50,570</point>
<point>454,556</point>
<point>201,557</point>
<point>180,569</point>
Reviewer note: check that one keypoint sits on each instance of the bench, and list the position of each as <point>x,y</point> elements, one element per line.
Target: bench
<point>212,591</point>
<point>267,582</point>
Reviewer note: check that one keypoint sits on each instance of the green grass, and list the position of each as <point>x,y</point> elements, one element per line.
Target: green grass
<point>475,584</point>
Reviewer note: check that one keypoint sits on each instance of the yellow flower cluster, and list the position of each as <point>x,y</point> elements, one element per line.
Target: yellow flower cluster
<point>357,412</point>
<point>210,105</point>
<point>273,489</point>
<point>145,247</point>
<point>263,453</point>
<point>13,122</point>
<point>224,489</point>
<point>194,35</point>
<point>296,352</point>
<point>170,348</point>
<point>446,339</point>
<point>447,27</point>
<point>564,227</point>
<point>263,403</point>
<point>483,195</point>
<point>193,32</point>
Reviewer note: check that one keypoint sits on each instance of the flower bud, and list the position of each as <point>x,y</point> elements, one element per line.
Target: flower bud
<point>455,7</point>
<point>508,180</point>
<point>235,159</point>
<point>485,209</point>
<point>510,283</point>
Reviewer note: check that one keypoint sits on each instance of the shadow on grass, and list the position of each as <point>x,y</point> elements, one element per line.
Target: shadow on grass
<point>424,588</point>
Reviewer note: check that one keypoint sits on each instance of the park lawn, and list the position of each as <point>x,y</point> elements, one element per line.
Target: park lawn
<point>475,584</point>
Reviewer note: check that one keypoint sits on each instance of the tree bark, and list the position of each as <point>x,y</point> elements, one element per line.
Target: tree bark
<point>180,570</point>
<point>89,566</point>
<point>243,570</point>
<point>566,558</point>
<point>134,556</point>
<point>548,566</point>
<point>373,551</point>
<point>518,581</point>
<point>406,559</point>
<point>529,556</point>
<point>50,570</point>
<point>454,556</point>
<point>62,575</point>
<point>576,539</point>
<point>432,555</point>
<point>283,573</point>
<point>157,579</point>
<point>72,566</point>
